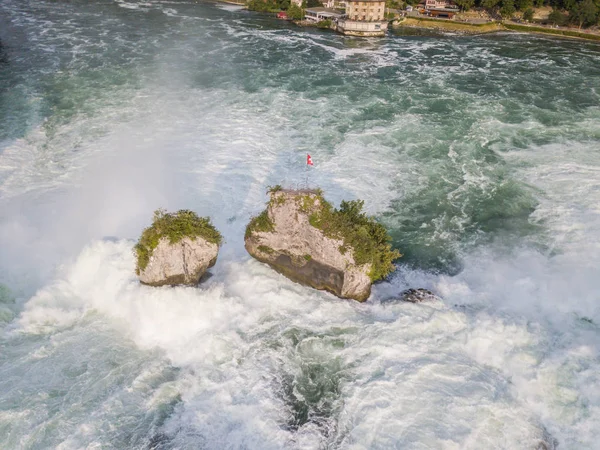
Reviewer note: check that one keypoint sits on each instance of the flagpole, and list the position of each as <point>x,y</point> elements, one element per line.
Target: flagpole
<point>306,176</point>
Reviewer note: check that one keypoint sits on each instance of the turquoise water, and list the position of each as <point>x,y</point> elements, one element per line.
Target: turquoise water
<point>480,154</point>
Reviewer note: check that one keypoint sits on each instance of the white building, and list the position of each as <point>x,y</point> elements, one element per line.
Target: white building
<point>319,13</point>
<point>363,18</point>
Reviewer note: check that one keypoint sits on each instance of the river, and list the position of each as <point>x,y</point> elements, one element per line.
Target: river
<point>481,154</point>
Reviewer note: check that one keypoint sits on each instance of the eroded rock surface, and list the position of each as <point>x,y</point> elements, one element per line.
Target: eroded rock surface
<point>284,238</point>
<point>183,262</point>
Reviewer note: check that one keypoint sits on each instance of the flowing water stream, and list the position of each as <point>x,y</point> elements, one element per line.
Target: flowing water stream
<point>481,155</point>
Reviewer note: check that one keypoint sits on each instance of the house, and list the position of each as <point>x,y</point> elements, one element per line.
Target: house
<point>439,8</point>
<point>437,4</point>
<point>319,14</point>
<point>363,18</point>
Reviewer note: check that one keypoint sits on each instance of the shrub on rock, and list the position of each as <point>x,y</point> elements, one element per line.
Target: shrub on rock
<point>177,248</point>
<point>304,237</point>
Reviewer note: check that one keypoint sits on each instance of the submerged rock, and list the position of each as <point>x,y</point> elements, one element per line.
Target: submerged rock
<point>417,295</point>
<point>304,238</point>
<point>177,249</point>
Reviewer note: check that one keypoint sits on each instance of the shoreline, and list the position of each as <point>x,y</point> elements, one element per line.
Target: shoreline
<point>465,28</point>
<point>428,23</point>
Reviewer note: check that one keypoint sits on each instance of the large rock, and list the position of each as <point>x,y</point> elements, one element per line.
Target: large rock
<point>284,238</point>
<point>177,248</point>
<point>181,263</point>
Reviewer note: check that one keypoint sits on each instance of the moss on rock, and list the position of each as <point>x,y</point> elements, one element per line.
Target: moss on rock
<point>174,226</point>
<point>262,222</point>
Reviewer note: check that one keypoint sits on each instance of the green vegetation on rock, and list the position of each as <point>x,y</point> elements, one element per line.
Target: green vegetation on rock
<point>265,249</point>
<point>368,239</point>
<point>324,23</point>
<point>175,227</point>
<point>262,222</point>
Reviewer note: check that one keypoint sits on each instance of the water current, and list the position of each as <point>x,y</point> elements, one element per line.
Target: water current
<point>480,154</point>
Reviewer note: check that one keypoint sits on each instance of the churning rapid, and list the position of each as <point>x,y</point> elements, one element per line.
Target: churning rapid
<point>480,155</point>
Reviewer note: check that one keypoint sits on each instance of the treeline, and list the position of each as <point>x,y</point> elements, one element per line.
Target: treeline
<point>581,13</point>
<point>293,11</point>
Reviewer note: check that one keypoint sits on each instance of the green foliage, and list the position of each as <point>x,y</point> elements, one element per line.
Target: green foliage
<point>528,15</point>
<point>508,9</point>
<point>465,5</point>
<point>262,222</point>
<point>313,3</point>
<point>489,4</point>
<point>263,5</point>
<point>524,5</point>
<point>367,238</point>
<point>557,18</point>
<point>272,189</point>
<point>584,13</point>
<point>295,12</point>
<point>265,249</point>
<point>394,4</point>
<point>307,203</point>
<point>174,226</point>
<point>307,257</point>
<point>324,24</point>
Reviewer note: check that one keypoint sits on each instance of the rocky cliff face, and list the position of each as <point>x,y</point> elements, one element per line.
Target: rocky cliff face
<point>183,262</point>
<point>284,238</point>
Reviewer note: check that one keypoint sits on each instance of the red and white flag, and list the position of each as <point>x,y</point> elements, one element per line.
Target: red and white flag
<point>309,160</point>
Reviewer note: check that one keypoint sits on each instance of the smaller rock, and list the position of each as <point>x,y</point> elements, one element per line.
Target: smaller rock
<point>417,295</point>
<point>176,249</point>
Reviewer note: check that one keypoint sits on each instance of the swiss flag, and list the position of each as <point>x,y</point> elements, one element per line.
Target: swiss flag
<point>309,160</point>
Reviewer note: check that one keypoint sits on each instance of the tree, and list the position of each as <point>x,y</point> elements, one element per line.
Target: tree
<point>508,9</point>
<point>313,3</point>
<point>489,4</point>
<point>557,18</point>
<point>523,5</point>
<point>465,5</point>
<point>295,12</point>
<point>528,15</point>
<point>584,13</point>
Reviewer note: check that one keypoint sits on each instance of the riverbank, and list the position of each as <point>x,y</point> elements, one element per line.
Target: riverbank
<point>552,31</point>
<point>448,25</point>
<point>445,25</point>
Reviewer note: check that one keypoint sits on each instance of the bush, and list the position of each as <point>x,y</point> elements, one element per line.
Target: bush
<point>324,24</point>
<point>262,222</point>
<point>367,237</point>
<point>528,15</point>
<point>557,18</point>
<point>175,227</point>
<point>295,12</point>
<point>508,9</point>
<point>263,5</point>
